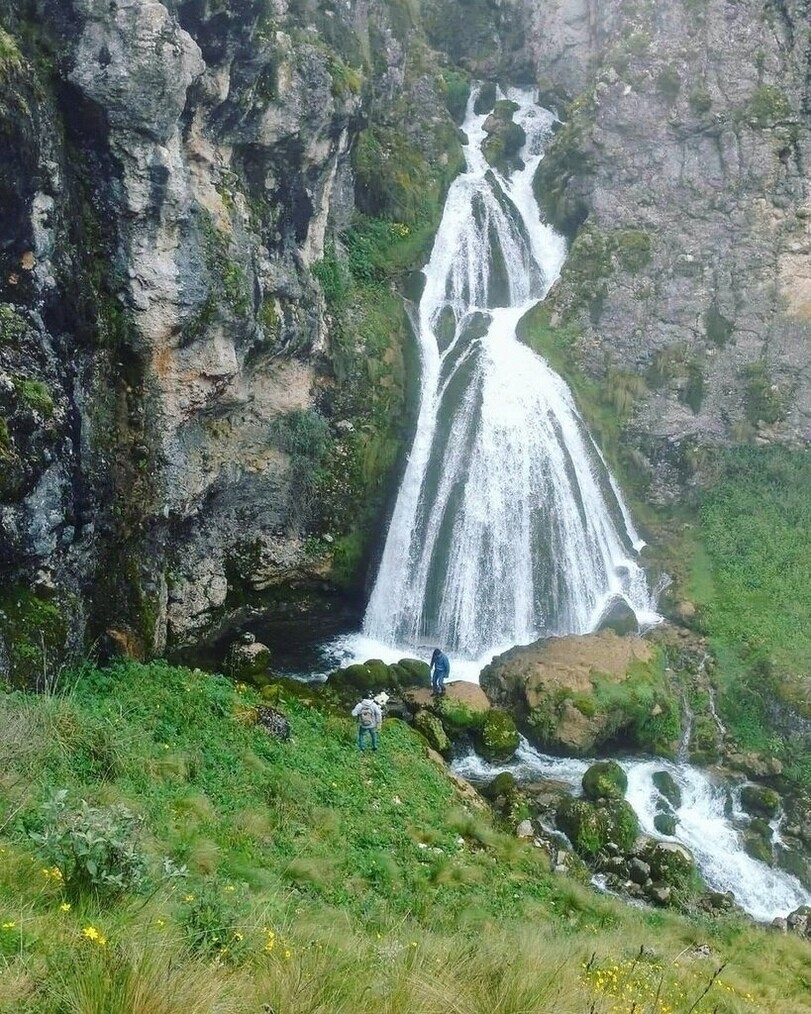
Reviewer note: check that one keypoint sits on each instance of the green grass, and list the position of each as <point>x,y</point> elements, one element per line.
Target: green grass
<point>317,880</point>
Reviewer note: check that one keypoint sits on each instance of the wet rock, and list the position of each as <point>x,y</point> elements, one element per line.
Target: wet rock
<point>593,827</point>
<point>639,871</point>
<point>619,617</point>
<point>666,784</point>
<point>799,921</point>
<point>665,823</point>
<point>754,765</point>
<point>660,894</point>
<point>760,800</point>
<point>670,863</point>
<point>375,675</point>
<point>503,784</point>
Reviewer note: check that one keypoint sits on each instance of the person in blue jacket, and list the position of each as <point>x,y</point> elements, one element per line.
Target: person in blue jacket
<point>440,670</point>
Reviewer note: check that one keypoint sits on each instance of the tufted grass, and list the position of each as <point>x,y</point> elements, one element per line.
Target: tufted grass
<point>317,880</point>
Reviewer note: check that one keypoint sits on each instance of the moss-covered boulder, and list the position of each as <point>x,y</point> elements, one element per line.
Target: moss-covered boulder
<point>375,675</point>
<point>504,784</point>
<point>497,738</point>
<point>605,780</point>
<point>667,786</point>
<point>591,826</point>
<point>665,823</point>
<point>670,863</point>
<point>759,800</point>
<point>431,728</point>
<point>577,694</point>
<point>505,139</point>
<point>463,707</point>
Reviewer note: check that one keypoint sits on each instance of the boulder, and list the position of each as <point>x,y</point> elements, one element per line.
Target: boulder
<point>504,784</point>
<point>670,863</point>
<point>666,784</point>
<point>247,659</point>
<point>497,739</point>
<point>619,617</point>
<point>665,823</point>
<point>431,728</point>
<point>463,707</point>
<point>759,800</point>
<point>525,829</point>
<point>573,694</point>
<point>592,827</point>
<point>605,780</point>
<point>274,722</point>
<point>375,675</point>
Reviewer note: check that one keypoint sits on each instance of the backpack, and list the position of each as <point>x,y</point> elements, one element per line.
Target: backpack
<point>366,717</point>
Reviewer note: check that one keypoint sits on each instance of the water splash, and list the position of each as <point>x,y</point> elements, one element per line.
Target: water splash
<point>508,525</point>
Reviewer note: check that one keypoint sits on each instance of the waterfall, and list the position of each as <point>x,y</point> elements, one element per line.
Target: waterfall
<point>508,525</point>
<point>703,824</point>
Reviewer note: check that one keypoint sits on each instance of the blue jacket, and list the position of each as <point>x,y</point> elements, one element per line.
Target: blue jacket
<point>442,666</point>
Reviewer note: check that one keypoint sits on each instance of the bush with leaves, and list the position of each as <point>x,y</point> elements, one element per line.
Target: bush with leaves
<point>95,848</point>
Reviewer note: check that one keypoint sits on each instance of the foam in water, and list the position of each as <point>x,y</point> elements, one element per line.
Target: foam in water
<point>508,525</point>
<point>703,825</point>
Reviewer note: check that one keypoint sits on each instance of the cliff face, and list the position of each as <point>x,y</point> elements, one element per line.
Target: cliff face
<point>170,400</point>
<point>682,176</point>
<point>203,367</point>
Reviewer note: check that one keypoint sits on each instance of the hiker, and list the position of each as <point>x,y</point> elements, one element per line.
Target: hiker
<point>440,670</point>
<point>370,718</point>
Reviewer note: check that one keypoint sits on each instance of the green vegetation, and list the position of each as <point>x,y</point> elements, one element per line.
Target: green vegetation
<point>767,107</point>
<point>35,632</point>
<point>36,395</point>
<point>303,876</point>
<point>345,80</point>
<point>668,84</point>
<point>10,56</point>
<point>763,400</point>
<point>752,583</point>
<point>567,157</point>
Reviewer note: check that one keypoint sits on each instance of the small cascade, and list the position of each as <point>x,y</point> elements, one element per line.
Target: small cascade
<point>508,525</point>
<point>687,718</point>
<point>705,823</point>
<point>722,729</point>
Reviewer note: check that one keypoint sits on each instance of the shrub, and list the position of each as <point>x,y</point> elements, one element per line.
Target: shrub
<point>92,849</point>
<point>767,106</point>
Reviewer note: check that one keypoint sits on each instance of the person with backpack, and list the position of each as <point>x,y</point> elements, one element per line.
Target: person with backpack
<point>370,719</point>
<point>440,670</point>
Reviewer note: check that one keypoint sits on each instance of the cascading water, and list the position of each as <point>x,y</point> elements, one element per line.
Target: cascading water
<point>702,823</point>
<point>508,525</point>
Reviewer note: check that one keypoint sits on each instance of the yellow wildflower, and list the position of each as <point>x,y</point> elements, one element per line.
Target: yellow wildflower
<point>160,923</point>
<point>65,906</point>
<point>287,953</point>
<point>188,897</point>
<point>9,925</point>
<point>91,933</point>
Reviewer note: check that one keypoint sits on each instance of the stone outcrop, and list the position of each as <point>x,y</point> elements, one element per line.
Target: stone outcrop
<point>681,175</point>
<point>176,438</point>
<point>558,689</point>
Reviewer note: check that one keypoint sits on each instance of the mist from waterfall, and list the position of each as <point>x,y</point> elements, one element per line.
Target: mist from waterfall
<point>508,525</point>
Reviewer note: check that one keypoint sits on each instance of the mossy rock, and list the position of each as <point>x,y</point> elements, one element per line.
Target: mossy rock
<point>248,662</point>
<point>375,675</point>
<point>34,636</point>
<point>504,784</point>
<point>760,800</point>
<point>605,780</point>
<point>591,826</point>
<point>758,848</point>
<point>418,672</point>
<point>670,863</point>
<point>431,728</point>
<point>666,784</point>
<point>665,823</point>
<point>497,739</point>
<point>486,99</point>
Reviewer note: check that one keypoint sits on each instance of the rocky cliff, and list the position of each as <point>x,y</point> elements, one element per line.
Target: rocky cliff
<point>206,205</point>
<point>185,427</point>
<point>682,178</point>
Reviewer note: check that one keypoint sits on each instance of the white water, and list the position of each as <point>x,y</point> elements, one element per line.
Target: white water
<point>508,525</point>
<point>703,825</point>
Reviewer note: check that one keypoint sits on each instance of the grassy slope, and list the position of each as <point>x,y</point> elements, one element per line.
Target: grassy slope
<point>318,880</point>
